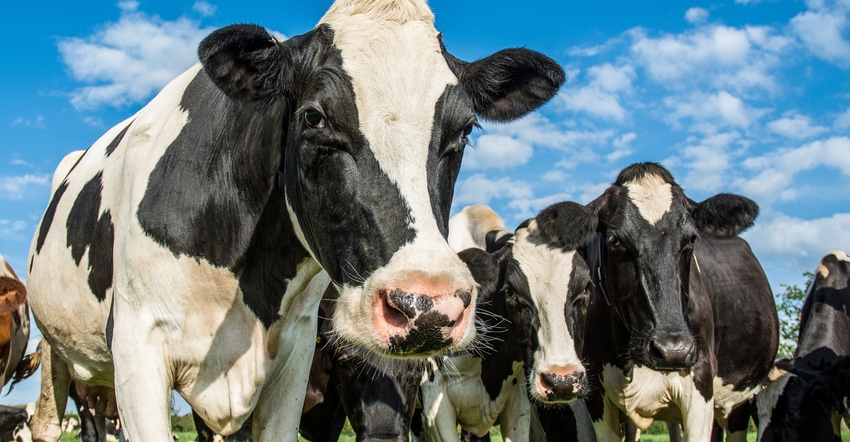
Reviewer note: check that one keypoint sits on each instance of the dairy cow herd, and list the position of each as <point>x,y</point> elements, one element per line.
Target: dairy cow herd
<point>270,237</point>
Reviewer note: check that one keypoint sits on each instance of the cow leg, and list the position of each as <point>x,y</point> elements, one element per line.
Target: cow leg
<point>439,418</point>
<point>737,423</point>
<point>89,431</point>
<point>142,381</point>
<point>697,419</point>
<point>515,419</point>
<point>292,342</point>
<point>46,423</point>
<point>607,429</point>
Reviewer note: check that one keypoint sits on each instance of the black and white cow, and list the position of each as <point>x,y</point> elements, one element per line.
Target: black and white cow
<point>682,324</point>
<point>805,399</point>
<point>529,354</point>
<point>198,236</point>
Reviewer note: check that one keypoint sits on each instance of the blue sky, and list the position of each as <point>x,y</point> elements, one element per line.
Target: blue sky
<point>743,96</point>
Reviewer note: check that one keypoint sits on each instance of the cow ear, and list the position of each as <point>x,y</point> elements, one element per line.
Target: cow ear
<point>508,84</point>
<point>496,240</point>
<point>483,268</point>
<point>12,294</point>
<point>244,61</point>
<point>566,225</point>
<point>725,215</point>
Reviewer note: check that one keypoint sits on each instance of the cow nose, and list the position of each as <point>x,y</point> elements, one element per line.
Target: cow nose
<point>419,322</point>
<point>672,351</point>
<point>561,388</point>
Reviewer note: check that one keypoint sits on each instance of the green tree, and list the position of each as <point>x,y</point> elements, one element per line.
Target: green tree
<point>788,306</point>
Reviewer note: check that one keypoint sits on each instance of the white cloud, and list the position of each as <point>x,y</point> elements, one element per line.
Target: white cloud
<point>600,97</point>
<point>707,162</point>
<point>32,123</point>
<point>721,109</point>
<point>204,8</point>
<point>795,238</point>
<point>796,127</point>
<point>478,189</point>
<point>497,151</point>
<point>777,169</point>
<point>722,56</point>
<point>622,147</point>
<point>525,208</point>
<point>696,15</point>
<point>9,229</point>
<point>822,31</point>
<point>13,187</point>
<point>127,61</point>
<point>842,121</point>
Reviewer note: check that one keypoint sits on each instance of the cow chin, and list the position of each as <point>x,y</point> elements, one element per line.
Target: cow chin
<point>406,323</point>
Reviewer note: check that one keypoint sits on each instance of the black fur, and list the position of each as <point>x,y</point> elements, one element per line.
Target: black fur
<point>566,225</point>
<point>92,232</point>
<point>115,142</point>
<point>725,215</point>
<point>47,220</point>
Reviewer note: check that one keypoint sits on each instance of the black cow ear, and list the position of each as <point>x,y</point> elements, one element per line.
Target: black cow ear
<point>484,270</point>
<point>244,61</point>
<point>567,225</point>
<point>510,83</point>
<point>725,215</point>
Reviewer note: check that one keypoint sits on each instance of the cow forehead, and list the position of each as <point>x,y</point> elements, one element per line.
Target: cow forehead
<point>398,74</point>
<point>652,195</point>
<point>547,269</point>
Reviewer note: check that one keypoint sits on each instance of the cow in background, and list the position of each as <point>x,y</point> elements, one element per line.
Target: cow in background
<point>192,236</point>
<point>682,321</point>
<point>497,382</point>
<point>808,393</point>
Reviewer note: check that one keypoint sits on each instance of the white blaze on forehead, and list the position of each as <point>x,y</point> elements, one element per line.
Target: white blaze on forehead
<point>651,195</point>
<point>839,255</point>
<point>391,52</point>
<point>548,272</point>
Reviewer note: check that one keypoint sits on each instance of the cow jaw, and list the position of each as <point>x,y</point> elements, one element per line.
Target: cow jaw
<point>421,304</point>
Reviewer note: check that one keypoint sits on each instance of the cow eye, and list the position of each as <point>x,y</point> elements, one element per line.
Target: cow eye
<point>314,119</point>
<point>614,242</point>
<point>463,136</point>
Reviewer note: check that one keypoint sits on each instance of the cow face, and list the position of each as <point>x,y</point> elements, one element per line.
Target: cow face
<point>546,286</point>
<point>644,250</point>
<point>377,117</point>
<point>802,404</point>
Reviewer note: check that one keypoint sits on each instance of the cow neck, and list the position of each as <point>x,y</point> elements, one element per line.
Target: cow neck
<point>601,281</point>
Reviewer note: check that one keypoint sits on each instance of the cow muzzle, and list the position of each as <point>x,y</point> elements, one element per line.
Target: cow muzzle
<point>560,385</point>
<point>422,324</point>
<point>671,352</point>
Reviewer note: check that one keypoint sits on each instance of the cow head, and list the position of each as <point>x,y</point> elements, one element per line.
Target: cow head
<point>544,284</point>
<point>643,257</point>
<point>376,118</point>
<point>802,402</point>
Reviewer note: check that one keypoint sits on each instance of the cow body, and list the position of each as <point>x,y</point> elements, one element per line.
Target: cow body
<point>808,393</point>
<point>497,384</point>
<point>671,313</point>
<point>198,236</point>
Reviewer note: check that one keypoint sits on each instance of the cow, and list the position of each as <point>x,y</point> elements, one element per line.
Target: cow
<point>198,236</point>
<point>808,393</point>
<point>682,325</point>
<point>15,364</point>
<point>498,382</point>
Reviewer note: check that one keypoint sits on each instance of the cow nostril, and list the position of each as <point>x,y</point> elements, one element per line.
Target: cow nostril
<point>402,302</point>
<point>393,315</point>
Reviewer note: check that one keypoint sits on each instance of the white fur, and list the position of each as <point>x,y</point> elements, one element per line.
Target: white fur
<point>654,395</point>
<point>768,397</point>
<point>652,196</point>
<point>469,227</point>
